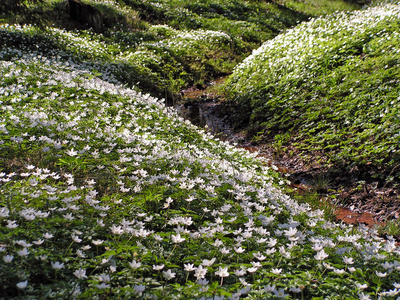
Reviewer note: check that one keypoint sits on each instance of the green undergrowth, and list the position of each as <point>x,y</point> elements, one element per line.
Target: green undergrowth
<point>159,61</point>
<point>160,46</point>
<point>330,87</point>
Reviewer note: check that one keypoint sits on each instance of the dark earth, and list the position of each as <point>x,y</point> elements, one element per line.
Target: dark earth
<point>356,200</point>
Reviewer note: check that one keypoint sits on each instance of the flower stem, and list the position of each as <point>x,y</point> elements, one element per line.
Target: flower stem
<point>66,251</point>
<point>171,253</point>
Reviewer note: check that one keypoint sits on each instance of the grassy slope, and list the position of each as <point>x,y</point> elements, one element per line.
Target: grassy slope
<point>322,7</point>
<point>329,86</point>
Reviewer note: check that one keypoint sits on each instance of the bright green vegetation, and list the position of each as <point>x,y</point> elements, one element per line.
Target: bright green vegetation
<point>321,7</point>
<point>331,87</point>
<point>106,193</point>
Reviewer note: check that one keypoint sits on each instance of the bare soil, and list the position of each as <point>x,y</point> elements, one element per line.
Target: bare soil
<point>358,197</point>
<point>362,200</point>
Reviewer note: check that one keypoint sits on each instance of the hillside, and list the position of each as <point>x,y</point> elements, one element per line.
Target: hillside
<point>162,46</point>
<point>328,91</point>
<point>106,193</point>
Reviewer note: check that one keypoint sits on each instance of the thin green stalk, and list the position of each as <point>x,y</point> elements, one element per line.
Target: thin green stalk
<point>66,251</point>
<point>171,253</point>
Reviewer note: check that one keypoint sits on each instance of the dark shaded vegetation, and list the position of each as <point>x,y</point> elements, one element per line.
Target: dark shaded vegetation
<point>85,13</point>
<point>17,6</point>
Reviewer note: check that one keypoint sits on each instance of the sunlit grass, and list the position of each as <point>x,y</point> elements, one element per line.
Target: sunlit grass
<point>322,7</point>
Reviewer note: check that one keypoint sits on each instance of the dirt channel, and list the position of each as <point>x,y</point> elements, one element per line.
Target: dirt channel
<point>369,202</point>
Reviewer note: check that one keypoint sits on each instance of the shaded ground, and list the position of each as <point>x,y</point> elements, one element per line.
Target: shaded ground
<point>359,195</point>
<point>359,198</point>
